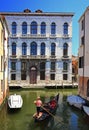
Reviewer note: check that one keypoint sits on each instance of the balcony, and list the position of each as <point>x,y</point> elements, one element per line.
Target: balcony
<point>13,56</point>
<point>24,57</point>
<point>52,57</point>
<point>28,36</point>
<point>65,57</point>
<point>65,71</point>
<point>33,57</point>
<point>13,70</point>
<point>53,70</point>
<point>53,36</point>
<point>33,36</point>
<point>65,36</point>
<point>13,36</point>
<point>37,57</point>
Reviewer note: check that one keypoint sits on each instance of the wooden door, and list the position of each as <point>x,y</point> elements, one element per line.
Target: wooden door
<point>33,75</point>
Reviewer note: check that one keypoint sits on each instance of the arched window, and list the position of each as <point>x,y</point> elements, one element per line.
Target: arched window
<point>14,28</point>
<point>13,48</point>
<point>65,49</point>
<point>65,66</point>
<point>53,28</point>
<point>33,27</point>
<point>65,29</point>
<point>42,71</point>
<point>43,28</point>
<point>42,66</point>
<point>42,48</point>
<point>24,28</point>
<point>33,48</point>
<point>53,49</point>
<point>24,49</point>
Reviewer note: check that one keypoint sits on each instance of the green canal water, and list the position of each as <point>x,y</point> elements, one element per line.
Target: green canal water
<point>66,118</point>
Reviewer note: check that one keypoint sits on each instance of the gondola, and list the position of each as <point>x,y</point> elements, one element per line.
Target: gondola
<point>47,110</point>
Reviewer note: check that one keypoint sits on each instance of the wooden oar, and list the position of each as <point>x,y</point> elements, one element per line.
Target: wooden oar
<point>51,114</point>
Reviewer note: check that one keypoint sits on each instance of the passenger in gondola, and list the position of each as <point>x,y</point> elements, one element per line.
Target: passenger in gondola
<point>53,104</point>
<point>38,104</point>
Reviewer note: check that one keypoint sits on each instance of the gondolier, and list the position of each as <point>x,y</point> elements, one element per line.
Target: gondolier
<point>47,110</point>
<point>38,104</point>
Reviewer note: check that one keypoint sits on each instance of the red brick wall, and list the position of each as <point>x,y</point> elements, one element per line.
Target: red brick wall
<point>82,88</point>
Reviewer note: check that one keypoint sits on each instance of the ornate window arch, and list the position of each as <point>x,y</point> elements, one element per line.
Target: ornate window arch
<point>65,49</point>
<point>42,48</point>
<point>14,28</point>
<point>33,27</point>
<point>65,66</point>
<point>24,28</point>
<point>24,48</point>
<point>42,71</point>
<point>43,28</point>
<point>13,48</point>
<point>65,28</point>
<point>33,48</point>
<point>53,28</point>
<point>53,47</point>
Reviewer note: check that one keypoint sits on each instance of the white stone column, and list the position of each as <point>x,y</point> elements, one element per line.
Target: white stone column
<point>58,76</point>
<point>38,49</point>
<point>28,48</point>
<point>18,70</point>
<point>38,29</point>
<point>19,48</point>
<point>47,72</point>
<point>48,29</point>
<point>19,28</point>
<point>28,29</point>
<point>47,49</point>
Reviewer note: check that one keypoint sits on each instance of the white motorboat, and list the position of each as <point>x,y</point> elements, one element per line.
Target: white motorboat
<point>86,109</point>
<point>15,101</point>
<point>76,101</point>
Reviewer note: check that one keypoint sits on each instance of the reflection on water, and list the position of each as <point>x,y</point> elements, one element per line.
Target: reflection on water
<point>66,118</point>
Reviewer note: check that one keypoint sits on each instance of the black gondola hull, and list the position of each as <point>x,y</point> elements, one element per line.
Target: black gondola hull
<point>47,110</point>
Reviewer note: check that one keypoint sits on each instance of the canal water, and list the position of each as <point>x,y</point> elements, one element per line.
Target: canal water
<point>66,118</point>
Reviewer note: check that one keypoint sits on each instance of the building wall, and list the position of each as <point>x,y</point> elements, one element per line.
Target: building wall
<point>3,60</point>
<point>84,52</point>
<point>59,39</point>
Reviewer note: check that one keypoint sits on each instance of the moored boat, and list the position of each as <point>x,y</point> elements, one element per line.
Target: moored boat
<point>86,109</point>
<point>47,110</point>
<point>76,101</point>
<point>15,101</point>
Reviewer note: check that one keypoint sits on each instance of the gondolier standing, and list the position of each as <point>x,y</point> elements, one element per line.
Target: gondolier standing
<point>38,104</point>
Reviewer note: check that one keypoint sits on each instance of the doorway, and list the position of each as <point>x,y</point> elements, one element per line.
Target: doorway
<point>33,75</point>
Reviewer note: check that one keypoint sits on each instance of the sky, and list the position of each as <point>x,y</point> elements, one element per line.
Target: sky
<point>75,6</point>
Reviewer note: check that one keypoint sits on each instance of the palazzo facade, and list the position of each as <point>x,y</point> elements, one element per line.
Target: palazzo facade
<point>40,48</point>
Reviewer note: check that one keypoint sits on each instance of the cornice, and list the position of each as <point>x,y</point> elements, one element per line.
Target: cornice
<point>37,14</point>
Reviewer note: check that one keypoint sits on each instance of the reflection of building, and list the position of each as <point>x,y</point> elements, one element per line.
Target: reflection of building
<point>84,54</point>
<point>3,59</point>
<point>39,48</point>
<point>74,69</point>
